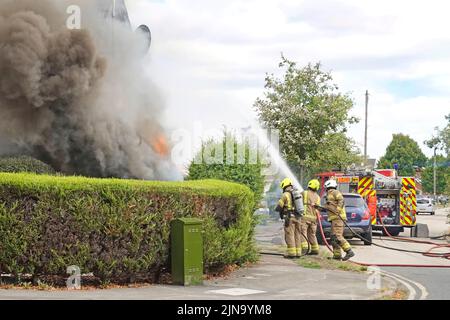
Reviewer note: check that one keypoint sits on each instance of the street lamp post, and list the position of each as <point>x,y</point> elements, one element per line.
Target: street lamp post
<point>434,174</point>
<point>365,127</point>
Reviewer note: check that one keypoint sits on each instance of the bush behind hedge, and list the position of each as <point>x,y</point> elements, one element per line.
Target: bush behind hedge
<point>116,229</point>
<point>247,173</point>
<point>24,164</point>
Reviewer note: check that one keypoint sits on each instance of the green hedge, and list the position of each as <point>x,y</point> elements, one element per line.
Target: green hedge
<point>24,164</point>
<point>117,229</point>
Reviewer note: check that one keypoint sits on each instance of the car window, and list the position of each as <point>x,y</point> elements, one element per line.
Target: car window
<point>350,201</point>
<point>423,201</point>
<point>354,202</point>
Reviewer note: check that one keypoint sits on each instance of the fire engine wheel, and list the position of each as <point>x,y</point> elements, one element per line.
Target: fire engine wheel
<point>393,232</point>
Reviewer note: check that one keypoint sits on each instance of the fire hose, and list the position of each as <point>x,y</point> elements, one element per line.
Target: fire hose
<point>426,253</point>
<point>442,237</point>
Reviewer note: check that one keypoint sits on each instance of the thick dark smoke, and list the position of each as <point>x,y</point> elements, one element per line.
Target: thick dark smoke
<point>77,99</point>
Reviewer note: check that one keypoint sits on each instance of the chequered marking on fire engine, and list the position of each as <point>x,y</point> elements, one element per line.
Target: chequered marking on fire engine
<point>236,291</point>
<point>365,186</point>
<point>408,204</point>
<point>371,193</point>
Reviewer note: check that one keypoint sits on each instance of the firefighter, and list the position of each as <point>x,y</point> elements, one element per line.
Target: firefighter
<point>309,220</point>
<point>337,216</point>
<point>292,227</point>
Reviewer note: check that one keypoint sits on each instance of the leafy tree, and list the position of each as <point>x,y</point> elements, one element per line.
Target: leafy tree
<point>439,142</point>
<point>447,188</point>
<point>340,152</point>
<point>445,137</point>
<point>310,113</point>
<point>245,165</point>
<point>405,152</point>
<point>442,174</point>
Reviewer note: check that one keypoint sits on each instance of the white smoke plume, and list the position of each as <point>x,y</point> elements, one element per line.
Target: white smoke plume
<point>78,99</point>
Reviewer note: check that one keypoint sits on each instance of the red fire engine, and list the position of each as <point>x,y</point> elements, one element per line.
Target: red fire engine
<point>389,197</point>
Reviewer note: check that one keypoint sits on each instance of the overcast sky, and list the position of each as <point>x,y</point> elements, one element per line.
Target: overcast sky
<point>210,58</point>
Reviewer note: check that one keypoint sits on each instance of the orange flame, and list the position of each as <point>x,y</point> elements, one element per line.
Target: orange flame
<point>160,145</point>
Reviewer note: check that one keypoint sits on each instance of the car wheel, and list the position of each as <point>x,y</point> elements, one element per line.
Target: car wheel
<point>432,213</point>
<point>320,239</point>
<point>368,237</point>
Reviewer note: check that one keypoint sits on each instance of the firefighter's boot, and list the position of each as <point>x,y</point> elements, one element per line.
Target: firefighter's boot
<point>348,254</point>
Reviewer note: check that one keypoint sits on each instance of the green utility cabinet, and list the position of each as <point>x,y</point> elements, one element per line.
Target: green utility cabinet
<point>187,251</point>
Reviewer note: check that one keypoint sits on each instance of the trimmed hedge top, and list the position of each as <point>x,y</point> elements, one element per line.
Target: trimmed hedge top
<point>117,229</point>
<point>201,187</point>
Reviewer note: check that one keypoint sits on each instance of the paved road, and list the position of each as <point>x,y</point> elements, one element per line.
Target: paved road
<point>436,281</point>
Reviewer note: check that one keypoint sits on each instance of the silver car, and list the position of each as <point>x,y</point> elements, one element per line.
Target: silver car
<point>425,205</point>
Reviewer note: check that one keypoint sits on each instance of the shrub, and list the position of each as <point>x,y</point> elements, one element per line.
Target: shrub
<point>24,164</point>
<point>117,229</point>
<point>247,173</point>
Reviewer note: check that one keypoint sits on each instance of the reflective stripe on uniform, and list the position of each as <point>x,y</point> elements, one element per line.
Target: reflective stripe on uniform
<point>305,246</point>
<point>337,253</point>
<point>346,246</point>
<point>292,251</point>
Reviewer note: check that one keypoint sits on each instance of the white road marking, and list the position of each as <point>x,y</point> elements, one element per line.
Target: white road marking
<point>236,291</point>
<point>423,290</point>
<point>412,291</point>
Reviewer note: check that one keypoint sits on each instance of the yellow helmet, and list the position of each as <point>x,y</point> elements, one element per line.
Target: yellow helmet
<point>286,183</point>
<point>314,184</point>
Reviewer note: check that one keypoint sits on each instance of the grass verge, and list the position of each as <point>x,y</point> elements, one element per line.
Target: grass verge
<point>322,261</point>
